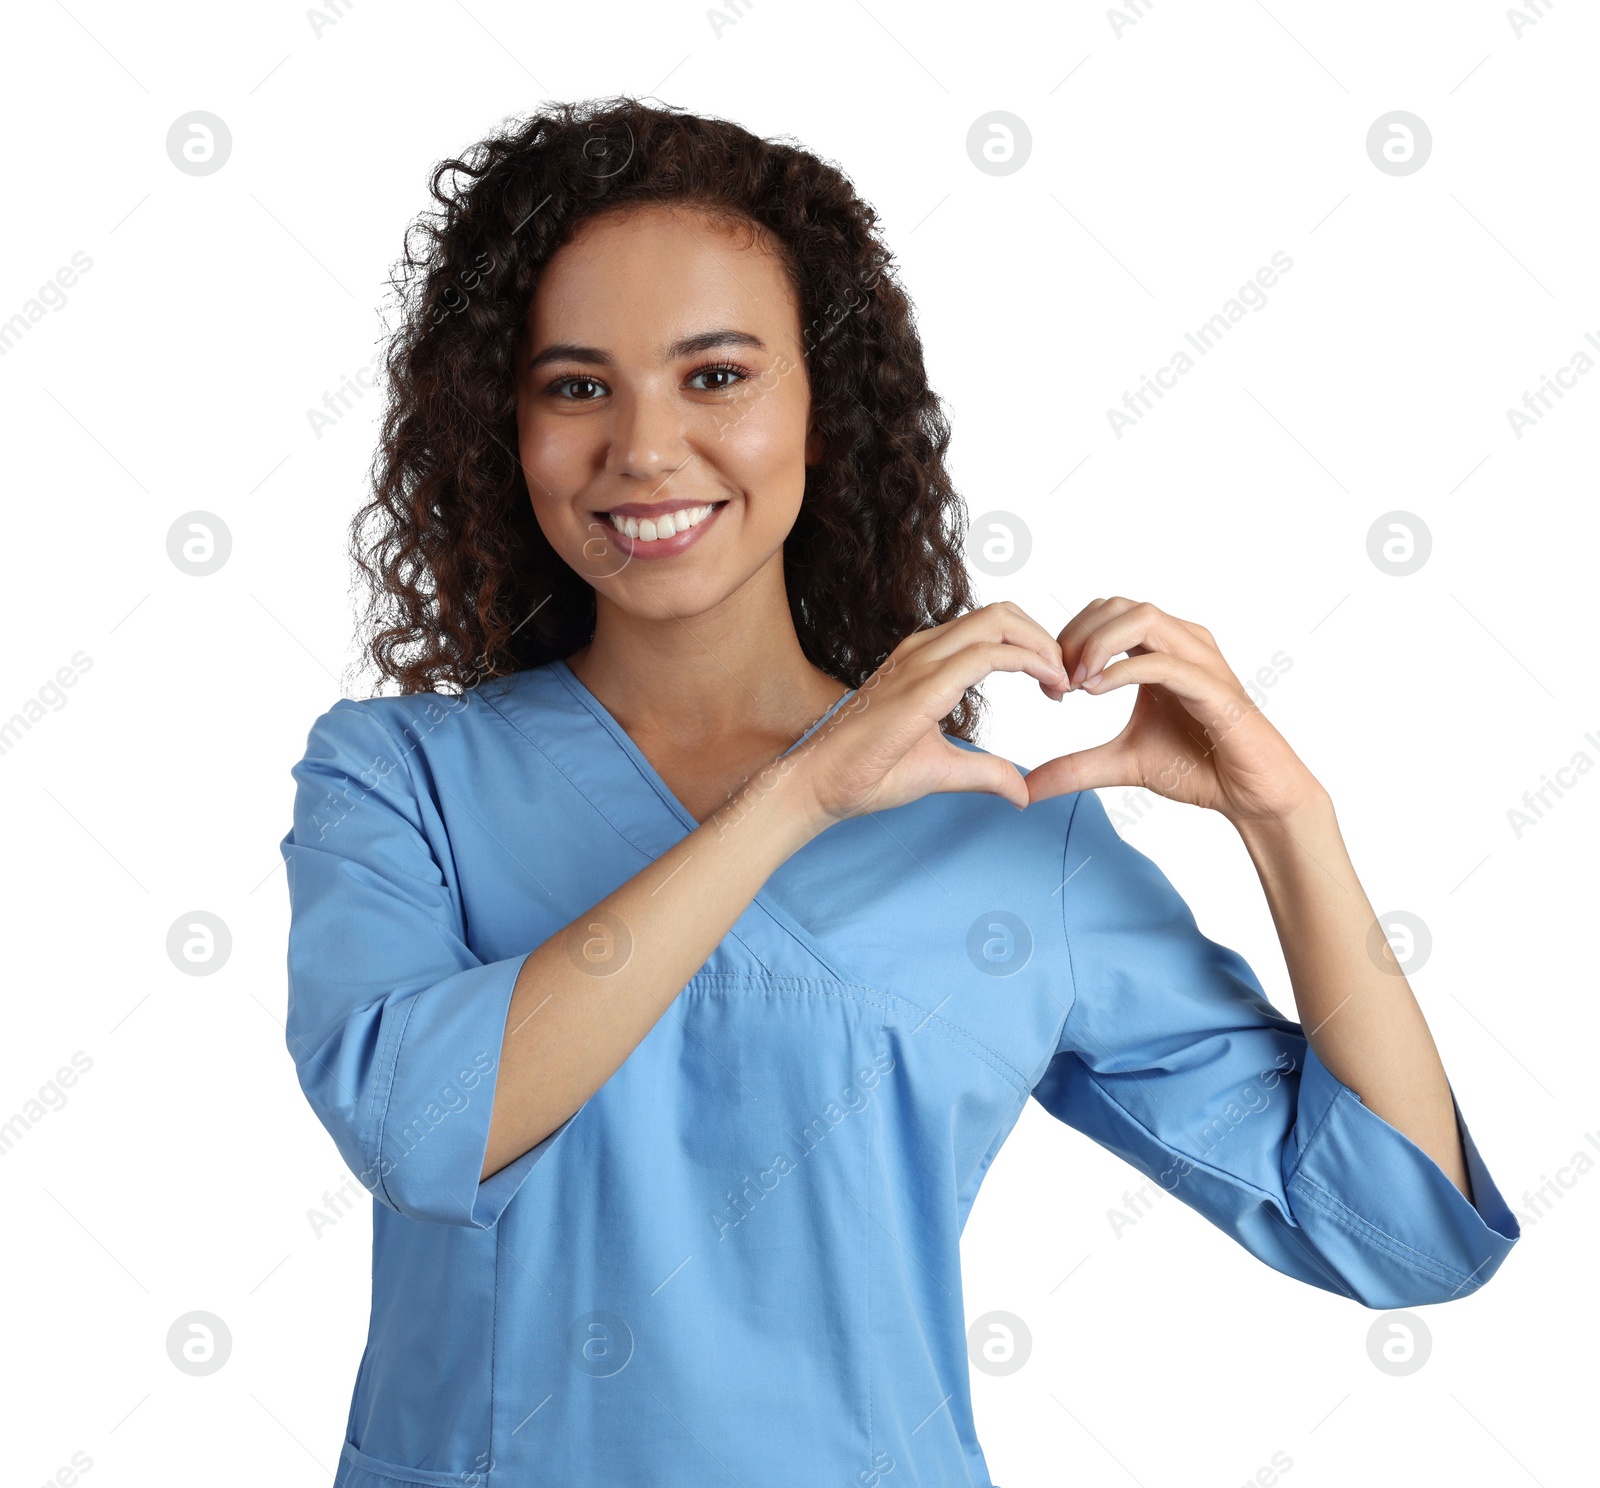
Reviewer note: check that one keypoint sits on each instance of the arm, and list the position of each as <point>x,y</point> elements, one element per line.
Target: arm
<point>1195,736</point>
<point>1358,1010</point>
<point>576,1014</point>
<point>1375,1186</point>
<point>1172,1057</point>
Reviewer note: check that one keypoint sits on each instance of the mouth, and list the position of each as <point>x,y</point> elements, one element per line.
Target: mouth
<point>661,534</point>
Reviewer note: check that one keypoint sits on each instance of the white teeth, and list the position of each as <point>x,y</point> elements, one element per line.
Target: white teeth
<point>653,530</point>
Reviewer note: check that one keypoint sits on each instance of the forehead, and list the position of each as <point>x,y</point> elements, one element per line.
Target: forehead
<point>650,272</point>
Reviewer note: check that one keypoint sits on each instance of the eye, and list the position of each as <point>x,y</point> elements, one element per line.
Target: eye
<point>720,369</point>
<point>557,387</point>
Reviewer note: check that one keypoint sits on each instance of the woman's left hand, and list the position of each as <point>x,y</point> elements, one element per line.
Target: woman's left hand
<point>1195,735</point>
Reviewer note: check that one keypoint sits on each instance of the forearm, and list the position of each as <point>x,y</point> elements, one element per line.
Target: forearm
<point>1361,1018</point>
<point>586,997</point>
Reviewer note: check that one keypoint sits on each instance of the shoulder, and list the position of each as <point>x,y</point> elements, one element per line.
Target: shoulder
<point>406,722</point>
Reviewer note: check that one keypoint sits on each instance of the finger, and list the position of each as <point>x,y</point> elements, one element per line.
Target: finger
<point>1199,689</point>
<point>927,688</point>
<point>1001,621</point>
<point>1078,629</point>
<point>972,663</point>
<point>1111,763</point>
<point>1140,627</point>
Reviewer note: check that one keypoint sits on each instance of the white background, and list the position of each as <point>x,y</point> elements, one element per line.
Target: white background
<point>1170,159</point>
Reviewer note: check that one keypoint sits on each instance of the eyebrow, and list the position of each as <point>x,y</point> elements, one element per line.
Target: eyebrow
<point>570,351</point>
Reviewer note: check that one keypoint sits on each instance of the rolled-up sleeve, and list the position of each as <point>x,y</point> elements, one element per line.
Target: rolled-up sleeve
<point>1171,1056</point>
<point>394,1025</point>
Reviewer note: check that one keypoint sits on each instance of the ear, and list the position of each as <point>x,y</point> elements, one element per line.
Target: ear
<point>814,448</point>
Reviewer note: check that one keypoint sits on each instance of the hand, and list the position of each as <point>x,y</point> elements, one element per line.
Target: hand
<point>1195,735</point>
<point>883,748</point>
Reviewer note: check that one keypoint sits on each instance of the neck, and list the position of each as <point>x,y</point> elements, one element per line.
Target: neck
<point>738,668</point>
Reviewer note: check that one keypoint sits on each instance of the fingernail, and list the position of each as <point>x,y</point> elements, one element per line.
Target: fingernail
<point>1091,683</point>
<point>1077,676</point>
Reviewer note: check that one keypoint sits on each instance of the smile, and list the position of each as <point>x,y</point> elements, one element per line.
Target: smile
<point>664,526</point>
<point>662,536</point>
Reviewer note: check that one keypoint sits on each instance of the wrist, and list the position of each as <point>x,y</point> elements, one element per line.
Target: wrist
<point>1311,817</point>
<point>777,804</point>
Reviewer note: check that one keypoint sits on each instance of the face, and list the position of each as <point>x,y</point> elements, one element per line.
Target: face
<point>663,408</point>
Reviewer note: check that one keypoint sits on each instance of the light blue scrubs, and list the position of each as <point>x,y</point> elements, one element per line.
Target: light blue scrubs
<point>739,1262</point>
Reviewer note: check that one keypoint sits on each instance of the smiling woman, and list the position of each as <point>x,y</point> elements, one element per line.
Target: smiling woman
<point>699,859</point>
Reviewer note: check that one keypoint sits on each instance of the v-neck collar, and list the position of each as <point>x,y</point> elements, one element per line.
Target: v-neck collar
<point>559,721</point>
<point>603,715</point>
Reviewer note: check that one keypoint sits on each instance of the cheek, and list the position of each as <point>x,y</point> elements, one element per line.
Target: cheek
<point>550,450</point>
<point>763,439</point>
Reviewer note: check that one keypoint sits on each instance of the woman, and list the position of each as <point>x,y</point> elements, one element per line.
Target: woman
<point>674,974</point>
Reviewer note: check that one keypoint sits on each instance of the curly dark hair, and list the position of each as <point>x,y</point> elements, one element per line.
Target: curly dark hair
<point>462,585</point>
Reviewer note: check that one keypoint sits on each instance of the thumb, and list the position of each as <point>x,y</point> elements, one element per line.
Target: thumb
<point>1111,763</point>
<point>978,770</point>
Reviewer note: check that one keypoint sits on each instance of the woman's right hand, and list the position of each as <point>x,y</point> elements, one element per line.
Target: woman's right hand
<point>883,747</point>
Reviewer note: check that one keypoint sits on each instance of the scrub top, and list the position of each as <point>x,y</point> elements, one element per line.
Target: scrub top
<point>739,1261</point>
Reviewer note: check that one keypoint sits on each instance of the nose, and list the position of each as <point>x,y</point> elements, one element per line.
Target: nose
<point>647,437</point>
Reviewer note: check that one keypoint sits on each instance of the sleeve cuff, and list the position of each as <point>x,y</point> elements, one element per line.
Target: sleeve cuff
<point>1380,1210</point>
<point>435,1089</point>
